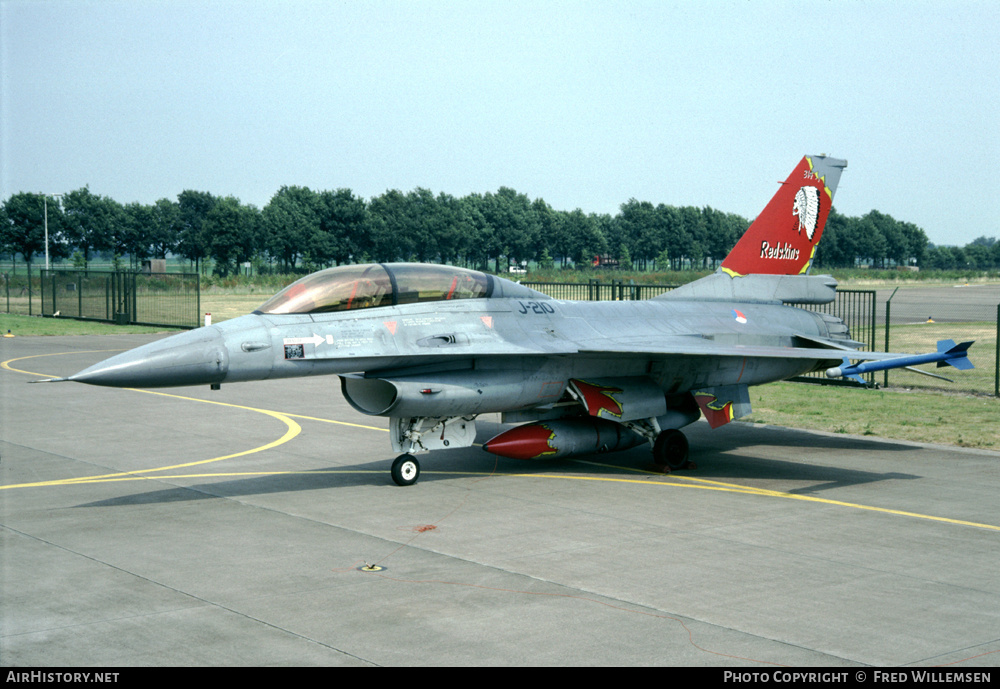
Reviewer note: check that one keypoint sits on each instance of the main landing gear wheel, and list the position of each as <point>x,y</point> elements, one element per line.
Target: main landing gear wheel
<point>671,450</point>
<point>405,470</point>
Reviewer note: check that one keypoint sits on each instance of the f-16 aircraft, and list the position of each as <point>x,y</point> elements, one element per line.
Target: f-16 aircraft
<point>432,347</point>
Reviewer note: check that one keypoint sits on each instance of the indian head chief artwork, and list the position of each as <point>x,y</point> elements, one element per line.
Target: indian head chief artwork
<point>806,207</point>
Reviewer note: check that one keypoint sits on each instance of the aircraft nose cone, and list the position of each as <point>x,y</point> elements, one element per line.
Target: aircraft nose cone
<point>192,358</point>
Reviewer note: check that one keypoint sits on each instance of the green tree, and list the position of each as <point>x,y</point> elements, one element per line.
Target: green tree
<point>389,235</point>
<point>194,207</point>
<point>23,229</point>
<point>584,236</point>
<point>343,219</point>
<point>484,241</point>
<point>833,250</point>
<point>663,260</point>
<point>515,222</point>
<point>721,231</point>
<point>235,232</point>
<point>90,220</point>
<point>674,242</point>
<point>916,240</point>
<point>136,234</point>
<point>426,224</point>
<point>695,235</point>
<point>164,235</point>
<point>624,257</point>
<point>639,231</point>
<point>292,225</point>
<point>598,227</point>
<point>892,245</point>
<point>978,256</point>
<point>871,245</point>
<point>121,238</point>
<point>456,228</point>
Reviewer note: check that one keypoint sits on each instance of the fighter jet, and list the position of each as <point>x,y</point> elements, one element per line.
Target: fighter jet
<point>432,347</point>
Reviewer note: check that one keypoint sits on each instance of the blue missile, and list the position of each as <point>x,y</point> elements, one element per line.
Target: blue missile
<point>948,354</point>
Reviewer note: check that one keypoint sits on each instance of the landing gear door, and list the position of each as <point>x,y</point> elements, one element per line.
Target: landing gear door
<point>422,434</point>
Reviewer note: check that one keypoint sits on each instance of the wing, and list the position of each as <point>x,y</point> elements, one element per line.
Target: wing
<point>694,345</point>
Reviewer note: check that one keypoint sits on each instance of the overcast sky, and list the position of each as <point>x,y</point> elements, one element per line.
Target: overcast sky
<point>583,104</point>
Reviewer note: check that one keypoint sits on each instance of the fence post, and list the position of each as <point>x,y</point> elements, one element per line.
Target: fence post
<point>996,363</point>
<point>872,319</point>
<point>888,311</point>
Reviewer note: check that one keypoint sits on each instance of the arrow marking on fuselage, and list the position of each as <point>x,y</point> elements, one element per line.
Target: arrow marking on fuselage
<point>315,340</point>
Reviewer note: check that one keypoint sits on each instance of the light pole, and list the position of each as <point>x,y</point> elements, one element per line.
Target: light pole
<point>46,197</point>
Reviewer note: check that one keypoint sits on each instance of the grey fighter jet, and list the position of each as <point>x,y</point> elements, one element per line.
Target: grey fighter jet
<point>432,347</point>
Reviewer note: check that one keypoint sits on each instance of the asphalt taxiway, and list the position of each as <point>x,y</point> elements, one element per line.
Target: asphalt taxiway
<point>192,527</point>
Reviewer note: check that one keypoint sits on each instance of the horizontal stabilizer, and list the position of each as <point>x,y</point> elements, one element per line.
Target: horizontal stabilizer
<point>790,289</point>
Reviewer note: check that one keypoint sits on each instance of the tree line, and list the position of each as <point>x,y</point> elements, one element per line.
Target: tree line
<point>301,229</point>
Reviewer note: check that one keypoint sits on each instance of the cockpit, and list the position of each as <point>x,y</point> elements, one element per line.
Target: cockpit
<point>366,286</point>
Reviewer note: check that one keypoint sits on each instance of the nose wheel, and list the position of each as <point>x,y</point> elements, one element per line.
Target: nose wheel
<point>405,470</point>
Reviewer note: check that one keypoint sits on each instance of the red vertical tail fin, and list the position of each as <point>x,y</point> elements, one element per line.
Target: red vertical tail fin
<point>782,240</point>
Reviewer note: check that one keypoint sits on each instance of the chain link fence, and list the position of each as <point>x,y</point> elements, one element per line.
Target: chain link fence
<point>123,297</point>
<point>914,319</point>
<point>19,293</point>
<point>594,290</point>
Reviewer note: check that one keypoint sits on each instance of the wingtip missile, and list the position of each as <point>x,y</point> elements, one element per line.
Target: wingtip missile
<point>845,370</point>
<point>948,354</point>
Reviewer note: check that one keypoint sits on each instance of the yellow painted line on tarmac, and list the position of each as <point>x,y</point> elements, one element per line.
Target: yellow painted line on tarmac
<point>131,476</point>
<point>293,429</point>
<point>708,484</point>
<point>6,364</point>
<point>838,503</point>
<point>333,421</point>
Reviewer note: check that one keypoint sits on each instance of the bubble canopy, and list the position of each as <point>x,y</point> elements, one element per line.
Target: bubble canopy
<point>365,286</point>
